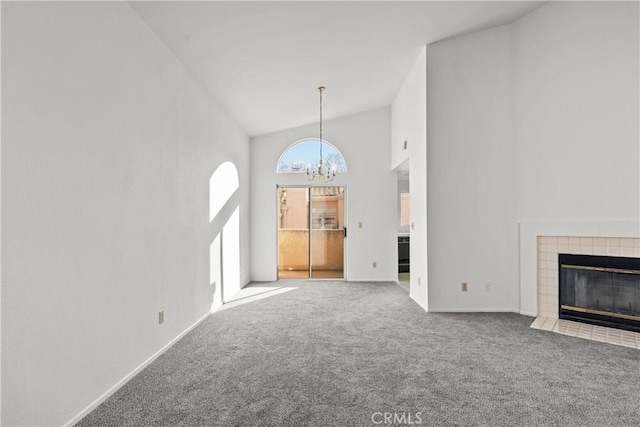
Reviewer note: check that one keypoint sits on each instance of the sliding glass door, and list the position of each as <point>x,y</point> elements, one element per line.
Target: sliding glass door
<point>311,232</point>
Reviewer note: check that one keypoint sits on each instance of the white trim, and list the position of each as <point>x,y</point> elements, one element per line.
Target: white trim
<point>132,374</point>
<point>0,240</point>
<point>474,310</point>
<point>528,313</point>
<point>420,303</point>
<point>374,281</point>
<point>252,298</point>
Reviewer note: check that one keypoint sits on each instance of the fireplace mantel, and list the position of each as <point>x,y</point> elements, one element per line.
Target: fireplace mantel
<point>548,248</point>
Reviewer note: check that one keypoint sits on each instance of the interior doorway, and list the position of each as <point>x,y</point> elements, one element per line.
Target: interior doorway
<point>311,232</point>
<point>404,226</point>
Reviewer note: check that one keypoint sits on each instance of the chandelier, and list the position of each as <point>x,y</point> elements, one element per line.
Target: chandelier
<point>321,172</point>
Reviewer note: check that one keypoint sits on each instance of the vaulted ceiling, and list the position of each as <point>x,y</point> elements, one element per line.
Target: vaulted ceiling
<point>264,60</point>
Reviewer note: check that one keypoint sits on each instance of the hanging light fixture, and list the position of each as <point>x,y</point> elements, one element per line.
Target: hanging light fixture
<point>322,172</point>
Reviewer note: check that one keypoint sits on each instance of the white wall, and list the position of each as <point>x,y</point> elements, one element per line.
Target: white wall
<point>370,195</point>
<point>577,109</point>
<point>409,123</point>
<point>471,166</point>
<point>108,146</point>
<point>577,70</point>
<point>532,128</point>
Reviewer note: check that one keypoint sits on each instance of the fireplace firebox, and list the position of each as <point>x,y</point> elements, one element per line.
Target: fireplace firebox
<point>600,290</point>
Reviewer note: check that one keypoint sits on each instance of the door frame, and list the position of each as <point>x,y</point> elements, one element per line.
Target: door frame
<point>345,239</point>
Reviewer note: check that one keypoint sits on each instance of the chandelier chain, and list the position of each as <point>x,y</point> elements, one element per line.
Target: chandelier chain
<point>321,88</point>
<point>324,172</point>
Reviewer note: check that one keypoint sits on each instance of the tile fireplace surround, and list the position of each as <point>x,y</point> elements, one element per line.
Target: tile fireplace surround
<point>547,266</point>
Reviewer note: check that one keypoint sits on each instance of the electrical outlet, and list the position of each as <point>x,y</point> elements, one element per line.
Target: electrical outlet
<point>487,286</point>
<point>465,287</point>
<point>161,317</point>
<point>375,264</point>
<point>359,225</point>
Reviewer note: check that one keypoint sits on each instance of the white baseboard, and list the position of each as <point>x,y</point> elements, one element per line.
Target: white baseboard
<point>528,313</point>
<point>473,310</point>
<point>420,303</point>
<point>132,374</point>
<point>482,310</point>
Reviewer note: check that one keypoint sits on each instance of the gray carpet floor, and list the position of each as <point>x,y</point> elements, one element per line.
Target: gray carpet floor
<point>344,354</point>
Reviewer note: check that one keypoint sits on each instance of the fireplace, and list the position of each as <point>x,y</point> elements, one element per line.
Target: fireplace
<point>600,290</point>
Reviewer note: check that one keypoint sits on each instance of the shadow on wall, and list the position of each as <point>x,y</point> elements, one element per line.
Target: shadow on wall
<point>224,222</point>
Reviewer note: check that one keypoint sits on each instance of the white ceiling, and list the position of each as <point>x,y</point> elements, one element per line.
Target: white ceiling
<point>263,60</point>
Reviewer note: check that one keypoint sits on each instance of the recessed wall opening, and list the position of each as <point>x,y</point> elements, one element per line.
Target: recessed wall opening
<point>600,290</point>
<point>404,226</point>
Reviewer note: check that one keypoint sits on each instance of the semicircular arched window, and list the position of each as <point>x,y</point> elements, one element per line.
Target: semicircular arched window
<point>305,153</point>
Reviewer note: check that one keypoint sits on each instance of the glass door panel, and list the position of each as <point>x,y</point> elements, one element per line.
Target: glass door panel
<point>293,233</point>
<point>327,232</point>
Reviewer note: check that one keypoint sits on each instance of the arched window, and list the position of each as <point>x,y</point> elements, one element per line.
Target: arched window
<point>306,152</point>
